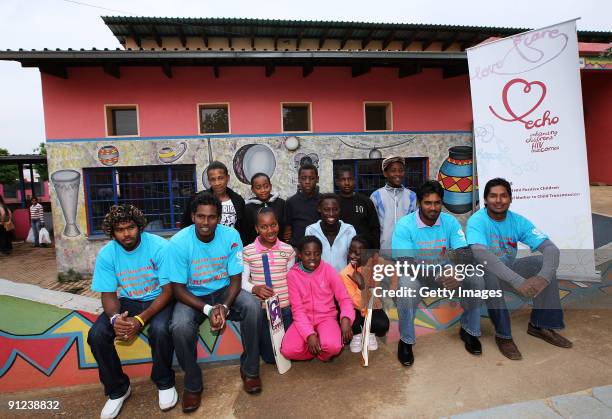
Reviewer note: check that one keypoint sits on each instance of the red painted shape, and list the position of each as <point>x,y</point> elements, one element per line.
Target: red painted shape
<point>89,316</point>
<point>42,351</point>
<point>23,376</point>
<point>74,107</point>
<point>228,343</point>
<point>202,352</point>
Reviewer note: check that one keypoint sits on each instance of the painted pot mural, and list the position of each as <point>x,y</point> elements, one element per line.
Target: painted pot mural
<point>108,155</point>
<point>251,159</point>
<point>66,184</point>
<point>168,155</point>
<point>455,175</point>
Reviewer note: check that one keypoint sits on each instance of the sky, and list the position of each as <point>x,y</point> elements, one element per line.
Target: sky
<point>38,24</point>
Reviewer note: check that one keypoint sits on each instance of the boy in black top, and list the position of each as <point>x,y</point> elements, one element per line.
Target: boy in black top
<point>355,208</point>
<point>262,189</point>
<point>301,208</point>
<point>232,203</point>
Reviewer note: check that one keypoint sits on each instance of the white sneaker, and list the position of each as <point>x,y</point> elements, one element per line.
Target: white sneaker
<point>167,398</point>
<point>356,343</point>
<point>113,406</point>
<point>372,342</point>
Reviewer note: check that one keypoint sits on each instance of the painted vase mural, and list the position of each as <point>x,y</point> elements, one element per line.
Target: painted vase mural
<point>253,158</point>
<point>108,155</point>
<point>455,175</point>
<point>66,183</point>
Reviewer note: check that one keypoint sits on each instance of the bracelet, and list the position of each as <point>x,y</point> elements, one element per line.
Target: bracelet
<point>112,319</point>
<point>141,321</point>
<point>207,309</point>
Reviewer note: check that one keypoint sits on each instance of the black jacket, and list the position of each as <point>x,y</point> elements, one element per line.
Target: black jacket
<point>250,216</point>
<point>236,199</point>
<point>359,211</point>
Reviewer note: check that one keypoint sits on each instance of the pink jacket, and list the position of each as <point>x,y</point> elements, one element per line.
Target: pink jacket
<point>312,297</point>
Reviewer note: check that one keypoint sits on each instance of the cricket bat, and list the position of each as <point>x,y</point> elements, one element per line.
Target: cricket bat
<point>365,332</point>
<point>275,321</point>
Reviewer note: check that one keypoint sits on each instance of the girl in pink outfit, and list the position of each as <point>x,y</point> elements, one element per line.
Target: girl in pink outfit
<point>313,284</point>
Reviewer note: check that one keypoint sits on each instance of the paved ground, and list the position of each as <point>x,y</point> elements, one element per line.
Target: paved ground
<point>601,200</point>
<point>444,381</point>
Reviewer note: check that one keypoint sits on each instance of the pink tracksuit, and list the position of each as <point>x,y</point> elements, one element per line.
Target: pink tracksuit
<point>312,305</point>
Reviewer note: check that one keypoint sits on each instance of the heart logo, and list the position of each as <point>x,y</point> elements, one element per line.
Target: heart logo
<point>526,88</point>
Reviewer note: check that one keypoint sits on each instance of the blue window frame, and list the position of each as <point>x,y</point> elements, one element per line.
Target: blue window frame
<point>369,176</point>
<point>161,192</point>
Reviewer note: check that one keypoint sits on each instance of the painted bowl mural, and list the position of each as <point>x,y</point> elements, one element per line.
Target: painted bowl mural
<point>251,159</point>
<point>171,154</point>
<point>108,155</point>
<point>455,175</point>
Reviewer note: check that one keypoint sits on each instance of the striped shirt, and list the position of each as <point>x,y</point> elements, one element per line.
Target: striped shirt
<point>36,212</point>
<point>281,258</point>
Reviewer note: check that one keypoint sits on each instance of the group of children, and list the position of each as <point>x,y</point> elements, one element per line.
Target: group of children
<point>315,259</point>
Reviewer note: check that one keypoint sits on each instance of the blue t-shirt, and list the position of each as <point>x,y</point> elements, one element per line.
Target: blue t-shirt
<point>502,237</point>
<point>204,267</point>
<point>413,238</point>
<point>135,273</point>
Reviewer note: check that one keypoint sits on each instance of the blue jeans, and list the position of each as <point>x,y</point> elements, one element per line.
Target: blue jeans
<point>36,225</point>
<point>407,307</point>
<point>265,342</point>
<point>101,341</point>
<point>185,325</point>
<point>546,312</point>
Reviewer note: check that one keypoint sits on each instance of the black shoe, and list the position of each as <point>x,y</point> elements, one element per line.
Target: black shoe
<point>404,353</point>
<point>472,344</point>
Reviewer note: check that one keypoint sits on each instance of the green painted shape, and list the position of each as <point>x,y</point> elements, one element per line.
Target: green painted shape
<point>25,317</point>
<point>207,336</point>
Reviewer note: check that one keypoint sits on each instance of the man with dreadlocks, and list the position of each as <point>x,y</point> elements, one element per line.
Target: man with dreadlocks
<point>129,264</point>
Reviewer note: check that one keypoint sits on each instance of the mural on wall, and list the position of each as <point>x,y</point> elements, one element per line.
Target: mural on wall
<point>108,155</point>
<point>169,155</point>
<point>66,184</point>
<point>251,159</point>
<point>456,177</point>
<point>281,155</point>
<point>55,351</point>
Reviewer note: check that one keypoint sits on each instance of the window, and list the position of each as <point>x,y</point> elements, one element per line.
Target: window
<point>378,116</point>
<point>161,192</point>
<point>296,117</point>
<point>121,120</point>
<point>214,118</point>
<point>369,175</point>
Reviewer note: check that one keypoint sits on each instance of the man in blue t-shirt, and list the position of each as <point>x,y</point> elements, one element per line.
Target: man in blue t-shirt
<point>204,264</point>
<point>432,241</point>
<point>493,233</point>
<point>129,264</point>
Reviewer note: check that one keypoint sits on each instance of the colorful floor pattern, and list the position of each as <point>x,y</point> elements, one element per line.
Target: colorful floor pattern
<point>42,346</point>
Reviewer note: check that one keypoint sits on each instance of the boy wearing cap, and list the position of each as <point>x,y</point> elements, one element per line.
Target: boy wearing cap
<point>393,200</point>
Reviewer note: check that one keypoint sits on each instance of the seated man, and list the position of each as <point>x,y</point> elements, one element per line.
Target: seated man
<point>130,263</point>
<point>493,233</point>
<point>204,264</point>
<point>425,236</point>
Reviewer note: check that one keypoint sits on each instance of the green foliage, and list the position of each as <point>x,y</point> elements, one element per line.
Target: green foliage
<point>42,169</point>
<point>70,276</point>
<point>8,172</point>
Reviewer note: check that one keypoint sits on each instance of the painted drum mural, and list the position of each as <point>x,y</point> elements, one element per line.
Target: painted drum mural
<point>66,184</point>
<point>455,175</point>
<point>168,155</point>
<point>251,159</point>
<point>108,155</point>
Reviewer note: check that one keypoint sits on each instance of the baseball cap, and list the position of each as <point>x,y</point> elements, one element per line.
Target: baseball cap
<point>393,159</point>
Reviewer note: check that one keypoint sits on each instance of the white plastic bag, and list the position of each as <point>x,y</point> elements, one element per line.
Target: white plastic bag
<point>30,238</point>
<point>43,236</point>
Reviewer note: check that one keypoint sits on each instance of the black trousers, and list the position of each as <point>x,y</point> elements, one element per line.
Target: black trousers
<point>379,325</point>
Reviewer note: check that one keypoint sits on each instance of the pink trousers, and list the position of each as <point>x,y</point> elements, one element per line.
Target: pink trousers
<point>295,347</point>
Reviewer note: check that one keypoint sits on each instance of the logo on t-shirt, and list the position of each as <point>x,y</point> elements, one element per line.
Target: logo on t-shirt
<point>234,245</point>
<point>539,234</point>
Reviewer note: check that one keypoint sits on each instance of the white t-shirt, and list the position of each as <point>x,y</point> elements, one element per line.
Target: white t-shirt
<point>228,213</point>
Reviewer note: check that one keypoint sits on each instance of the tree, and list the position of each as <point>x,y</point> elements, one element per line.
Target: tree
<point>8,172</point>
<point>42,169</point>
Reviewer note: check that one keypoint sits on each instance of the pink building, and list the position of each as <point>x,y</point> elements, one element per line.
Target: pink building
<point>141,124</point>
